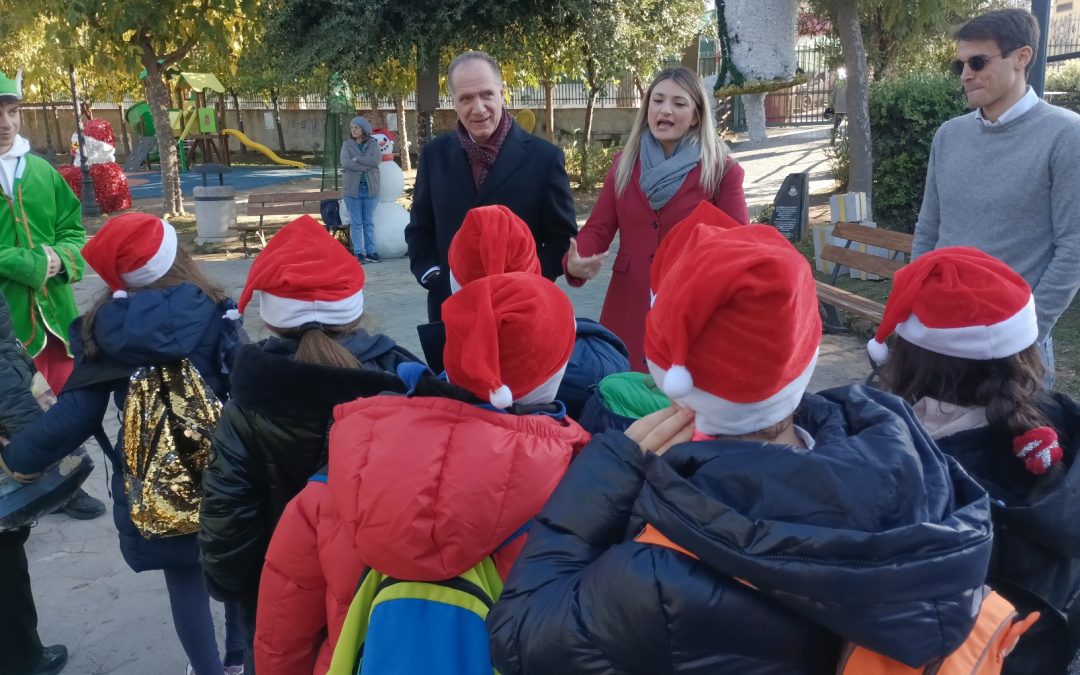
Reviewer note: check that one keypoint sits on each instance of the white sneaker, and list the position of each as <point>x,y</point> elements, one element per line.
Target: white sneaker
<point>234,670</point>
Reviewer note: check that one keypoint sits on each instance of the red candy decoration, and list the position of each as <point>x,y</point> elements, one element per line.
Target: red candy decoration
<point>1038,449</point>
<point>110,185</point>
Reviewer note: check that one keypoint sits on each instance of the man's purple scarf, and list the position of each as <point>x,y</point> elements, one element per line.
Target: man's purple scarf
<point>485,154</point>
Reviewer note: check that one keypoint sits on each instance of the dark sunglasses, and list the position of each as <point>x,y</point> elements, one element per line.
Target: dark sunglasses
<point>976,63</point>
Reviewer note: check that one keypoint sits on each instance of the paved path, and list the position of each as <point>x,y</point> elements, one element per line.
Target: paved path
<point>116,621</point>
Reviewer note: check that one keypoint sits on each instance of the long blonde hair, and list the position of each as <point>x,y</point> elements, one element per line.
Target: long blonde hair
<point>713,151</point>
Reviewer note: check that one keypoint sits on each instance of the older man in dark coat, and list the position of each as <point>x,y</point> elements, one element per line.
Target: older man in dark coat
<point>489,159</point>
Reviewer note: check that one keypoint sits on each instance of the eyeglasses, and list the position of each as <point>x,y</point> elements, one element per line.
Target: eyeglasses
<point>976,63</point>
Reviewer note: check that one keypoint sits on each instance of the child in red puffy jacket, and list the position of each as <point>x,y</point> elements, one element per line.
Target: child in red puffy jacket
<point>425,486</point>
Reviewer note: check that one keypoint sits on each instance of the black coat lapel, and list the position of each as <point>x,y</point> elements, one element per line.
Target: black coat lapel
<point>514,151</point>
<point>459,166</point>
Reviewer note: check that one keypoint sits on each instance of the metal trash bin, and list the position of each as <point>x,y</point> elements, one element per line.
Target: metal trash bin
<point>215,206</point>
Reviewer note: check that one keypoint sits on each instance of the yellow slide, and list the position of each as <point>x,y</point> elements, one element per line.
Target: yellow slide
<point>240,136</point>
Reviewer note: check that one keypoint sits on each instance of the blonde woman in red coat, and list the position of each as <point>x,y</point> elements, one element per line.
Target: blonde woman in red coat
<point>672,161</point>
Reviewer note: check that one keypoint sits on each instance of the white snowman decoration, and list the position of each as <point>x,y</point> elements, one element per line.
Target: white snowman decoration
<point>390,217</point>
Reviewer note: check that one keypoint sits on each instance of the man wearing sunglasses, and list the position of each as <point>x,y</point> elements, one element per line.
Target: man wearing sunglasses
<point>1005,178</point>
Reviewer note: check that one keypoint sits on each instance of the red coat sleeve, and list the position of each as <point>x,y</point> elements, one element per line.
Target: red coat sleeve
<point>291,619</point>
<point>596,235</point>
<point>729,196</point>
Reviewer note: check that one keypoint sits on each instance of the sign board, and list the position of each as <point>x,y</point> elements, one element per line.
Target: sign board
<point>791,208</point>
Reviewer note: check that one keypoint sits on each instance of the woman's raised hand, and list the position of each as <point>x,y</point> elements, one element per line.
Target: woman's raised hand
<point>583,267</point>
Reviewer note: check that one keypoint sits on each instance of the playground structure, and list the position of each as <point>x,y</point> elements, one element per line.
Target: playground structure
<point>195,126</point>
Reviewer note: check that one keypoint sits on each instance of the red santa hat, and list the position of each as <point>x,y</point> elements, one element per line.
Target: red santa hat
<point>507,335</point>
<point>700,223</point>
<point>961,302</point>
<point>735,329</point>
<point>100,130</point>
<point>133,249</point>
<point>491,240</point>
<point>303,276</point>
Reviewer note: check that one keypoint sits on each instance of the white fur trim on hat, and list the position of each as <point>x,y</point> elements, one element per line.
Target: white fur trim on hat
<point>716,416</point>
<point>879,351</point>
<point>996,341</point>
<point>501,398</point>
<point>290,313</point>
<point>159,264</point>
<point>547,392</point>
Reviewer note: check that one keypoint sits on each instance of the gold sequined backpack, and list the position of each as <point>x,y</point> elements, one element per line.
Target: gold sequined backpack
<point>169,418</point>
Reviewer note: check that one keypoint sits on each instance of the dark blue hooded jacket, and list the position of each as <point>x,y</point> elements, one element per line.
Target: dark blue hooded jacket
<point>874,536</point>
<point>149,327</point>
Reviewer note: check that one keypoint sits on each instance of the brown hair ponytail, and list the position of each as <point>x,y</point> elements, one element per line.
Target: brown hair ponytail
<point>1007,387</point>
<point>318,344</point>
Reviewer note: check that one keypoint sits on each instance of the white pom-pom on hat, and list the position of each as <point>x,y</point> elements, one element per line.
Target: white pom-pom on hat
<point>678,382</point>
<point>879,351</point>
<point>119,294</point>
<point>501,398</point>
<point>232,314</point>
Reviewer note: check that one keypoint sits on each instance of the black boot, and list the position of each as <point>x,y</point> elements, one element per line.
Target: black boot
<point>82,507</point>
<point>52,661</point>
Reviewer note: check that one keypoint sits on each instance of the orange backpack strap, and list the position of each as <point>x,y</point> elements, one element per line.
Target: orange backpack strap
<point>996,632</point>
<point>651,535</point>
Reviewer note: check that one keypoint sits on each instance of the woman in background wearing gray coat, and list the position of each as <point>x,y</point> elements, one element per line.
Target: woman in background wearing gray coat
<point>360,159</point>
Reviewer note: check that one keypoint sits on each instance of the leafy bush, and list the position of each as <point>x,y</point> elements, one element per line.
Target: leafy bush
<point>904,115</point>
<point>588,164</point>
<point>1066,79</point>
<point>839,155</point>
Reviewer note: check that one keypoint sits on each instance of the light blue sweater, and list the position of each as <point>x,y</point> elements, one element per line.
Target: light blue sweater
<point>1012,191</point>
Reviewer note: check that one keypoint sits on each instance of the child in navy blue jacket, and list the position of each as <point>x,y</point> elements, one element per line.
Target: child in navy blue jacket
<point>752,527</point>
<point>162,309</point>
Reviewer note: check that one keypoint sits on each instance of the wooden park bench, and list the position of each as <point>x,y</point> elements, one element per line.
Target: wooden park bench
<point>285,204</point>
<point>833,298</point>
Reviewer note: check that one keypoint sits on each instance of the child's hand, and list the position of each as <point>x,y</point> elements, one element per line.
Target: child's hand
<point>662,429</point>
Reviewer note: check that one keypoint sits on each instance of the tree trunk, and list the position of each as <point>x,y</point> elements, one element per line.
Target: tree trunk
<point>592,91</point>
<point>590,108</point>
<point>59,136</point>
<point>861,176</point>
<point>549,108</point>
<point>239,120</point>
<point>50,149</point>
<point>402,132</point>
<point>754,105</point>
<point>124,129</point>
<point>427,94</point>
<point>277,121</point>
<point>157,96</point>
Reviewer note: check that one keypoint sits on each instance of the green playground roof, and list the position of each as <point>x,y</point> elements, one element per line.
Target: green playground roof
<point>202,82</point>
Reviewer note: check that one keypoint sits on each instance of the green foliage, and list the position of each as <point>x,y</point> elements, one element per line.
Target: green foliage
<point>905,113</point>
<point>588,163</point>
<point>839,156</point>
<point>1065,78</point>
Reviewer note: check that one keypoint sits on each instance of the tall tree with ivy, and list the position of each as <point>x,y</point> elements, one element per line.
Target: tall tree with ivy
<point>160,34</point>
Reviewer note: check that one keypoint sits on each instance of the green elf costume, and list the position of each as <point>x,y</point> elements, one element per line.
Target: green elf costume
<point>38,211</point>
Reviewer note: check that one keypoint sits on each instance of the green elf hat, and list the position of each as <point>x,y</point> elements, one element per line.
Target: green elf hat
<point>10,87</point>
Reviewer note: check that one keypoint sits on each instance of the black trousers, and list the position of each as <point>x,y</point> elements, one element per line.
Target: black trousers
<point>20,647</point>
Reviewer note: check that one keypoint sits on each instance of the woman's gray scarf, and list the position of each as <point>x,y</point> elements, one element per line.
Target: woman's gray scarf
<point>661,177</point>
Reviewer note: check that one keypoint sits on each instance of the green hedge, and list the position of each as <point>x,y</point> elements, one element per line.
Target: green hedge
<point>904,115</point>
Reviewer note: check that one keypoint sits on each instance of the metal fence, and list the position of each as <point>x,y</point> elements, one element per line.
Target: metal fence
<point>803,104</point>
<point>1063,37</point>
